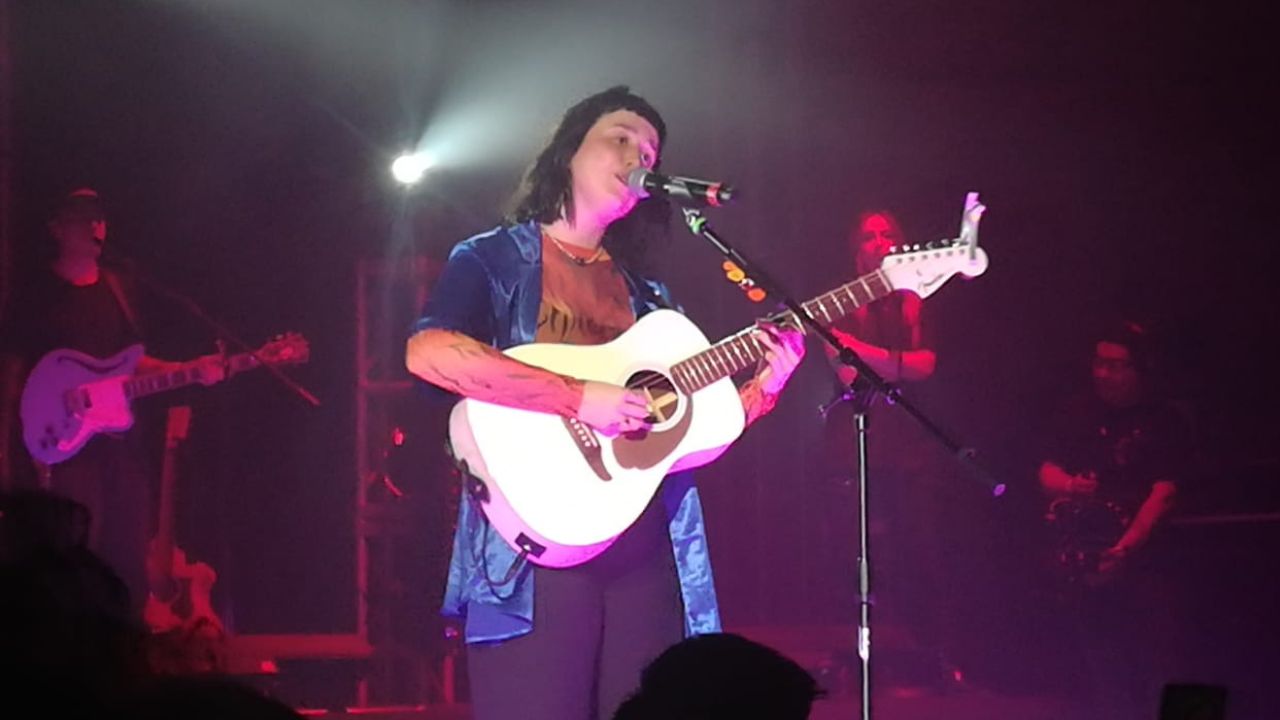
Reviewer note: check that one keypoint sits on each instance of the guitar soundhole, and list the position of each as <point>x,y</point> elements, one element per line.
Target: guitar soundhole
<point>665,401</point>
<point>671,415</point>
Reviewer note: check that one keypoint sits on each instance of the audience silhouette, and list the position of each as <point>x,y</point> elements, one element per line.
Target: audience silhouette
<point>721,676</point>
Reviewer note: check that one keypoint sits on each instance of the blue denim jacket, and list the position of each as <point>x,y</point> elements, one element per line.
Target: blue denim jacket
<point>491,290</point>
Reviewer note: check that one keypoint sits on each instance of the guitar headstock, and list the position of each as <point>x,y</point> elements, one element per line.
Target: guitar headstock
<point>287,349</point>
<point>923,269</point>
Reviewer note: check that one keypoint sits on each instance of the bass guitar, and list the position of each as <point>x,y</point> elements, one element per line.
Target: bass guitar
<point>69,396</point>
<point>1082,529</point>
<point>187,634</point>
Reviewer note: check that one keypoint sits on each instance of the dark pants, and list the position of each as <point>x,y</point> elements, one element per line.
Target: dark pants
<point>109,478</point>
<point>1129,636</point>
<point>913,501</point>
<point>914,557</point>
<point>595,627</point>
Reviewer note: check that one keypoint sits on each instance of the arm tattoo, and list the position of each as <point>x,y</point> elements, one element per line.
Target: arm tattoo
<point>469,368</point>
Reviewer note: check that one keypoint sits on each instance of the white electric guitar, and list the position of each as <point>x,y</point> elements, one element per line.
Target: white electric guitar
<point>69,396</point>
<point>561,493</point>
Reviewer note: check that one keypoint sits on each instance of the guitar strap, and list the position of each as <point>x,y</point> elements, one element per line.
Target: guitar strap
<point>113,282</point>
<point>475,491</point>
<point>645,289</point>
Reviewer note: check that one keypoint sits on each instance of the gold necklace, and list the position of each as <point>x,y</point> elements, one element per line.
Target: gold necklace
<point>579,261</point>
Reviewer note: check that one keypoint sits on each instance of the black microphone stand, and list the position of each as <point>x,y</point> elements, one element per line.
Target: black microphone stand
<point>221,331</point>
<point>866,386</point>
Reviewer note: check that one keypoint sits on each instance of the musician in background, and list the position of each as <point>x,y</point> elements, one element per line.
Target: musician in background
<point>908,477</point>
<point>886,334</point>
<point>73,302</point>
<point>1112,467</point>
<point>569,644</point>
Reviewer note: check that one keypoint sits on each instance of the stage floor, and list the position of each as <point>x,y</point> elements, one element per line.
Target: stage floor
<point>964,706</point>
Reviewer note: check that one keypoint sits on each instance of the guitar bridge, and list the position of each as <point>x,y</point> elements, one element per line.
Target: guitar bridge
<point>589,445</point>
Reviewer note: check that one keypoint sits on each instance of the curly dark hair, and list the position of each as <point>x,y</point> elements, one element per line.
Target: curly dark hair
<point>547,189</point>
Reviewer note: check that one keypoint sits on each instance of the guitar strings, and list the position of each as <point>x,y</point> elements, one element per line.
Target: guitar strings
<point>659,378</point>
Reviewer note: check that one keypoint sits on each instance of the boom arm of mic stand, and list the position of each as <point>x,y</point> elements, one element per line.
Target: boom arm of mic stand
<point>222,331</point>
<point>697,225</point>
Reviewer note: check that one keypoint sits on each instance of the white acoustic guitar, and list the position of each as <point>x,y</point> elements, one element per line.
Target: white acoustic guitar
<point>69,396</point>
<point>561,493</point>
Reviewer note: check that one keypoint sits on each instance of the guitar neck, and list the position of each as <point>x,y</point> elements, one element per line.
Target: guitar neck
<point>163,547</point>
<point>188,374</point>
<point>176,428</point>
<point>743,348</point>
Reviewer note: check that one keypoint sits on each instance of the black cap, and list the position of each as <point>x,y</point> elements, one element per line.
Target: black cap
<point>1134,336</point>
<point>81,203</point>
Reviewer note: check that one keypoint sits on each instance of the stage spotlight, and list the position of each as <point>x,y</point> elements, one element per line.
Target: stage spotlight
<point>410,167</point>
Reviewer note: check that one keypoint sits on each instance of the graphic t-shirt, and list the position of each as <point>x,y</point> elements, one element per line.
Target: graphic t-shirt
<point>581,304</point>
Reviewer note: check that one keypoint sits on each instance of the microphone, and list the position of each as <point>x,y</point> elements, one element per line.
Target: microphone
<point>684,190</point>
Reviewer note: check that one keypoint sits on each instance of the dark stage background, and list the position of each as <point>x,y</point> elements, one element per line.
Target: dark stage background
<point>1124,151</point>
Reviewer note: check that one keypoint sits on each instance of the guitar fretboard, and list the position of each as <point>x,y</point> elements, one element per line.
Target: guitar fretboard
<point>743,348</point>
<point>188,374</point>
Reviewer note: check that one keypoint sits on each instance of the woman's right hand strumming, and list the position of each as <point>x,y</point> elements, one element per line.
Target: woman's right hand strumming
<point>613,409</point>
